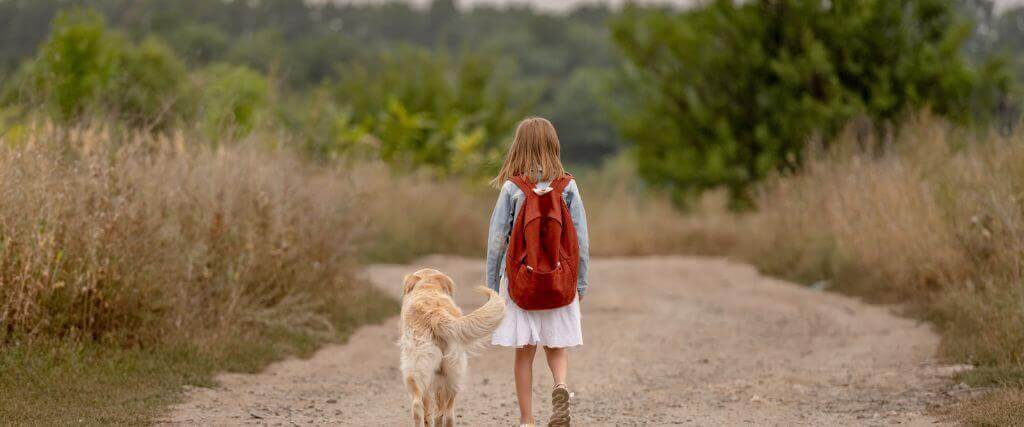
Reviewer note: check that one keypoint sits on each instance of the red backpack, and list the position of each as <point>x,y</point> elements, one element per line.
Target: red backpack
<point>543,257</point>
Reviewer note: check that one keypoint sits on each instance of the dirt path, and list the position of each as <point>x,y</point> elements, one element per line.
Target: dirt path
<point>668,340</point>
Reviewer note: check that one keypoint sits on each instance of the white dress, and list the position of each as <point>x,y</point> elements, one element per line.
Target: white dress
<point>558,327</point>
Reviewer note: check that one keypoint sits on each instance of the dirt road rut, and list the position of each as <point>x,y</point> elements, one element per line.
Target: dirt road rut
<point>667,340</point>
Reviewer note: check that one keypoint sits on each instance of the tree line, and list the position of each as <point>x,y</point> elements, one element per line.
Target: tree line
<point>720,95</point>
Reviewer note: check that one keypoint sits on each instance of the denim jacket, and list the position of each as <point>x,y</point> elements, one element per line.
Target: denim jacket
<point>509,202</point>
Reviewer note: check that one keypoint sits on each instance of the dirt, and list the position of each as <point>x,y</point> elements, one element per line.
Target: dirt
<point>667,340</point>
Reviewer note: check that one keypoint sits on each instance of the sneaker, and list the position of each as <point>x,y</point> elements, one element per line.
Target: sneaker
<point>559,407</point>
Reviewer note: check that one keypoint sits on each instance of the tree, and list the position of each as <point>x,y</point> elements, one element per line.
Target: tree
<point>77,63</point>
<point>427,109</point>
<point>233,100</point>
<point>725,94</point>
<point>578,111</point>
<point>84,69</point>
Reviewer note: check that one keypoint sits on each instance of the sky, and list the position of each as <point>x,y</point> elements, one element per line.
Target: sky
<point>562,5</point>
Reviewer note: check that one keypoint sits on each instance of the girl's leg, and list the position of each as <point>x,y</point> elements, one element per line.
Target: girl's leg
<point>558,362</point>
<point>524,382</point>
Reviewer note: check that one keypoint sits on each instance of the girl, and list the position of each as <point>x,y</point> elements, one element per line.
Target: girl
<point>535,153</point>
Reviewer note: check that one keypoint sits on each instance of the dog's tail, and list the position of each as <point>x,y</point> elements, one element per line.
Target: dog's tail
<point>478,324</point>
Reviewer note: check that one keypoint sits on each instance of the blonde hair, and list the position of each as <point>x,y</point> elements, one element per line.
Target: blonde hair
<point>534,152</point>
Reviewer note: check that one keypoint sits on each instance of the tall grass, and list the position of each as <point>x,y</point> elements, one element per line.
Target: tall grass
<point>415,214</point>
<point>231,257</point>
<point>933,220</point>
<point>133,240</point>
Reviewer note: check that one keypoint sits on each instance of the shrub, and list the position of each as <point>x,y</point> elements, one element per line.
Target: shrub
<point>76,65</point>
<point>418,108</point>
<point>728,93</point>
<point>149,87</point>
<point>233,102</point>
<point>85,70</point>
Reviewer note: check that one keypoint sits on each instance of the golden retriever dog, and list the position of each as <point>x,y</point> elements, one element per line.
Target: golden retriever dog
<point>436,342</point>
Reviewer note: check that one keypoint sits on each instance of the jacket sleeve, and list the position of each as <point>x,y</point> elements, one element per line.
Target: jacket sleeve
<point>497,235</point>
<point>579,221</point>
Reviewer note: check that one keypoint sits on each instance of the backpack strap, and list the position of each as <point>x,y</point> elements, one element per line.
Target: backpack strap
<point>524,184</point>
<point>559,184</point>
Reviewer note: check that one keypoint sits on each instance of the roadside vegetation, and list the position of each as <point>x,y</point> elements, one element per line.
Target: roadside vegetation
<point>931,221</point>
<point>134,265</point>
<point>192,187</point>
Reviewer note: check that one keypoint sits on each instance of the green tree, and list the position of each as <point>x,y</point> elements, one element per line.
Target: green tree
<point>199,43</point>
<point>148,86</point>
<point>425,108</point>
<point>579,112</point>
<point>76,65</point>
<point>233,101</point>
<point>727,93</point>
<point>84,69</point>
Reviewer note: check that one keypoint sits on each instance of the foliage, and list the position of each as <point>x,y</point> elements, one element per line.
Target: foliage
<point>414,106</point>
<point>233,100</point>
<point>724,95</point>
<point>149,85</point>
<point>579,111</point>
<point>84,68</point>
<point>302,46</point>
<point>76,66</point>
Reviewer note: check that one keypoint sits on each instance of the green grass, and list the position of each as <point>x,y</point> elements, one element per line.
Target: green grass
<point>48,381</point>
<point>1003,376</point>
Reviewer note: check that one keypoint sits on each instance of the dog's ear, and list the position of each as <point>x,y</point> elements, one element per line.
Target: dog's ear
<point>410,282</point>
<point>448,284</point>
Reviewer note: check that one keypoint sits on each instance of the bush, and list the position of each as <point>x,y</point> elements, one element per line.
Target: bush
<point>76,65</point>
<point>85,70</point>
<point>150,85</point>
<point>419,108</point>
<point>728,93</point>
<point>233,102</point>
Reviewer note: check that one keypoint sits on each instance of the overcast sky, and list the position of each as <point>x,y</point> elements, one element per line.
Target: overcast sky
<point>561,5</point>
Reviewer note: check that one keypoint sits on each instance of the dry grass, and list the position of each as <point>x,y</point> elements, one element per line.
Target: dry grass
<point>143,246</point>
<point>414,215</point>
<point>626,217</point>
<point>133,240</point>
<point>1000,408</point>
<point>934,221</point>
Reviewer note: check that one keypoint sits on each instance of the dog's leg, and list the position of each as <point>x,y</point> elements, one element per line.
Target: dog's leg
<point>446,407</point>
<point>447,389</point>
<point>439,402</point>
<point>429,409</point>
<point>418,409</point>
<point>448,384</point>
